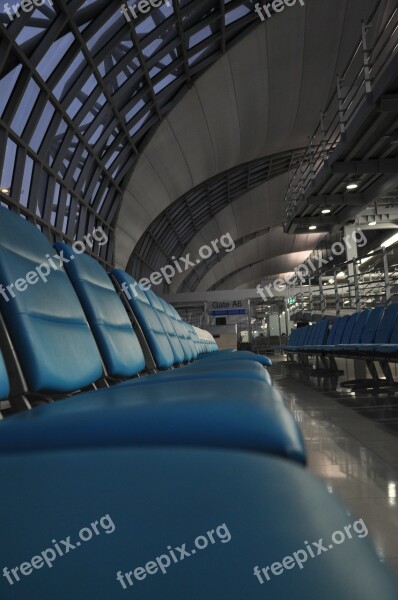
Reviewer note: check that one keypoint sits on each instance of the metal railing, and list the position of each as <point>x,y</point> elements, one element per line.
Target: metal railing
<point>371,56</point>
<point>364,285</point>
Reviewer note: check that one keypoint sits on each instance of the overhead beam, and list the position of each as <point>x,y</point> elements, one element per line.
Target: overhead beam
<point>366,167</point>
<point>353,199</point>
<point>321,221</point>
<point>380,225</point>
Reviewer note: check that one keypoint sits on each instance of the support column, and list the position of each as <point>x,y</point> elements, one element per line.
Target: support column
<point>355,298</point>
<point>206,313</point>
<point>351,256</point>
<point>386,277</point>
<point>310,296</point>
<point>322,297</point>
<point>287,318</point>
<point>336,293</point>
<point>249,324</point>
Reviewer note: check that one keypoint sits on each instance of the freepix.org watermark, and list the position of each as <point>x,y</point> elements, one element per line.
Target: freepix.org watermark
<point>174,556</point>
<point>277,6</point>
<point>53,263</point>
<point>59,548</point>
<point>312,550</point>
<point>180,265</point>
<point>142,7</point>
<point>26,6</point>
<point>302,272</point>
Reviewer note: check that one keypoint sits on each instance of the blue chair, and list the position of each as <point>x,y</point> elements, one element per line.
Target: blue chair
<point>156,336</point>
<point>119,346</point>
<point>58,355</point>
<point>384,330</point>
<point>365,330</point>
<point>4,381</point>
<point>321,335</point>
<point>178,523</point>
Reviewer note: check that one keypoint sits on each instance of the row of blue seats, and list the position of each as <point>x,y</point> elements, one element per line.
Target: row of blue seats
<point>73,331</point>
<point>372,332</point>
<point>167,456</point>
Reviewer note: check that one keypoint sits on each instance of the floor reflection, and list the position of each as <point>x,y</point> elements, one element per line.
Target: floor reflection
<point>352,444</point>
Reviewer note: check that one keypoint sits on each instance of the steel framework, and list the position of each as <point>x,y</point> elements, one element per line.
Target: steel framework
<point>82,92</point>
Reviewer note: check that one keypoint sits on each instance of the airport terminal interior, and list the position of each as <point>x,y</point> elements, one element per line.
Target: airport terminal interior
<point>199,299</point>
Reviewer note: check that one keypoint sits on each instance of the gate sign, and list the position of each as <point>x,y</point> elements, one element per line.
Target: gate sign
<point>228,307</point>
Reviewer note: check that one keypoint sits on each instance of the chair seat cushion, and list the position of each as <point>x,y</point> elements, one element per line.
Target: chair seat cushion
<point>387,349</point>
<point>238,355</point>
<point>224,413</point>
<point>147,503</point>
<point>242,368</point>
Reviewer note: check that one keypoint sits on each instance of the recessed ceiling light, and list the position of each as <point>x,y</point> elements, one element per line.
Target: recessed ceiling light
<point>372,223</point>
<point>326,211</point>
<point>352,186</point>
<point>312,227</point>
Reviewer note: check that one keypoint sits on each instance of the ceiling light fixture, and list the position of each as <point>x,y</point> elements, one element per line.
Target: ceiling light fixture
<point>5,191</point>
<point>372,223</point>
<point>390,241</point>
<point>352,186</point>
<point>312,227</point>
<point>326,211</point>
<point>340,275</point>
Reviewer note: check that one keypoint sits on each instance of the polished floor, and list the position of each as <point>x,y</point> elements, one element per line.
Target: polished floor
<point>352,444</point>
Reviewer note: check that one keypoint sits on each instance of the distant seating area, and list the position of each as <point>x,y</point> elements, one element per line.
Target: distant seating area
<point>370,335</point>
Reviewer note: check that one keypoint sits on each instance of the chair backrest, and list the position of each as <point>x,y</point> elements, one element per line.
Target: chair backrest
<point>322,332</point>
<point>147,317</point>
<point>175,343</point>
<point>180,331</point>
<point>197,336</point>
<point>312,335</point>
<point>42,312</point>
<point>370,329</point>
<point>343,322</point>
<point>332,332</point>
<point>360,326</point>
<point>394,334</point>
<point>301,333</point>
<point>306,335</point>
<point>107,317</point>
<point>386,326</point>
<point>349,328</point>
<point>4,381</point>
<point>187,331</point>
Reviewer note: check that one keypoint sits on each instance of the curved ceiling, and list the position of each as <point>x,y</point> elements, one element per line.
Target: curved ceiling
<point>262,98</point>
<point>241,220</point>
<point>170,234</point>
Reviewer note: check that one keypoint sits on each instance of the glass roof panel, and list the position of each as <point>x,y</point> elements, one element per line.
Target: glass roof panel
<point>82,89</point>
